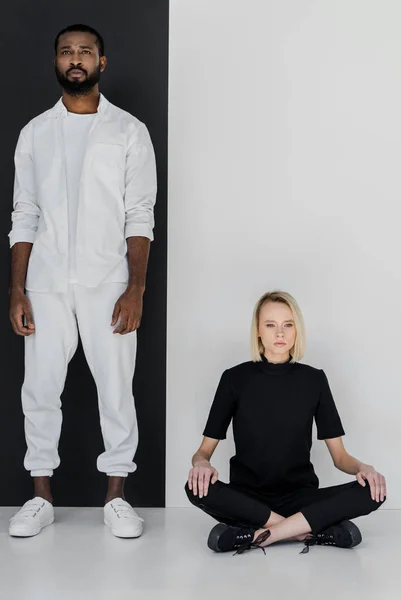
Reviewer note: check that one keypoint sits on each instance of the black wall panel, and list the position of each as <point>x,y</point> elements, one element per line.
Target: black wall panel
<point>136,79</point>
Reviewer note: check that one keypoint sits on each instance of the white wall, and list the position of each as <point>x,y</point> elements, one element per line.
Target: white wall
<point>285,172</point>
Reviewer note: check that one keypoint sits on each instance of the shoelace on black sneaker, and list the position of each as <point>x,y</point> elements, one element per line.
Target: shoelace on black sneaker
<point>248,545</point>
<point>321,539</point>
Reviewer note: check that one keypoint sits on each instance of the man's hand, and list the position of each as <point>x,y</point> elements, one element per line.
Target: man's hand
<point>129,309</point>
<point>20,307</point>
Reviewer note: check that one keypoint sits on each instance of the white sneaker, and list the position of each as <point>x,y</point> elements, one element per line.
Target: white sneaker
<point>31,518</point>
<point>122,519</point>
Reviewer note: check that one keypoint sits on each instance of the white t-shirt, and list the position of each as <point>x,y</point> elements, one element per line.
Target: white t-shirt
<point>75,133</point>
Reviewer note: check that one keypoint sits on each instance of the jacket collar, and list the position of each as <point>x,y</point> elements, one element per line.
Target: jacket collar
<point>59,109</point>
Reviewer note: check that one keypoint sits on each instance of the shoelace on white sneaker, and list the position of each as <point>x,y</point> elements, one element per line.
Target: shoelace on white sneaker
<point>124,512</point>
<point>27,510</point>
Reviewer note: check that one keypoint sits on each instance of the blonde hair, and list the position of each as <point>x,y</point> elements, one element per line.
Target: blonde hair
<point>298,350</point>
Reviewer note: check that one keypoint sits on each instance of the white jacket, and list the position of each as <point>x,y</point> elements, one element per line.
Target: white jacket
<point>116,197</point>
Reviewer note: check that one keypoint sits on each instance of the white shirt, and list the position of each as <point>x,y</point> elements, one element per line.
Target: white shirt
<point>76,129</point>
<point>117,192</point>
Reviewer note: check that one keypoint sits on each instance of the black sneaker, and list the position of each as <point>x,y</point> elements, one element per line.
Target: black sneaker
<point>225,538</point>
<point>343,535</point>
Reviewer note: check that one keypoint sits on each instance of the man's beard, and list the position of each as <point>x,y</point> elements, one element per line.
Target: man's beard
<point>78,88</point>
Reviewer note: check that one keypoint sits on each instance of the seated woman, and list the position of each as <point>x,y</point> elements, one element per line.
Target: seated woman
<point>273,492</point>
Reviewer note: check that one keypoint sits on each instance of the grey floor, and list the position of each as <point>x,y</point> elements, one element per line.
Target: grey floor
<point>78,558</point>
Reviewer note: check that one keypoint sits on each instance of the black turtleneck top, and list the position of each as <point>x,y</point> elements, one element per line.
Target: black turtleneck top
<point>272,407</point>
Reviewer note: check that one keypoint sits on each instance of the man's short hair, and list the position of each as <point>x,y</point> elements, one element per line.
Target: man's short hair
<point>86,29</point>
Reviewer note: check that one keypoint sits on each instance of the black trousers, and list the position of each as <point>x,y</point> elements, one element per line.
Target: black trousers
<point>231,504</point>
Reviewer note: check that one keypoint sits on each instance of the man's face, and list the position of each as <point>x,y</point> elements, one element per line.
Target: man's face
<point>77,63</point>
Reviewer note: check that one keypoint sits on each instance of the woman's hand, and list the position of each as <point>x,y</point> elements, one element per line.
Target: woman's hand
<point>376,482</point>
<point>200,476</point>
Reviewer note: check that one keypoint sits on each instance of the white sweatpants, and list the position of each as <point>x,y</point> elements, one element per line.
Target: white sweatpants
<point>111,359</point>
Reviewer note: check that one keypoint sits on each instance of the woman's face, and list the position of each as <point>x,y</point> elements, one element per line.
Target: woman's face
<point>277,331</point>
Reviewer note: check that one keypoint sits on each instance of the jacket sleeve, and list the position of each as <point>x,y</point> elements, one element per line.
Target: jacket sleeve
<point>25,215</point>
<point>140,185</point>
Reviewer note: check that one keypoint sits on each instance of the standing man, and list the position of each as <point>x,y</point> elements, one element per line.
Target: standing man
<point>85,188</point>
